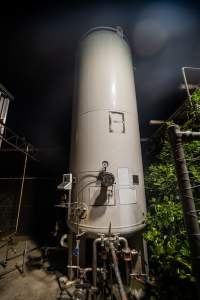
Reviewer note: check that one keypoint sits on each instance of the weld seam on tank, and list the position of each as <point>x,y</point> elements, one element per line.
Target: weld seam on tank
<point>108,110</point>
<point>114,227</point>
<point>118,30</point>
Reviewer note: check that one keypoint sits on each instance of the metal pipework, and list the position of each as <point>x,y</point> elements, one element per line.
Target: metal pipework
<point>185,189</point>
<point>94,262</point>
<point>117,272</point>
<point>102,240</point>
<point>63,242</point>
<point>122,239</point>
<point>87,270</point>
<point>186,82</point>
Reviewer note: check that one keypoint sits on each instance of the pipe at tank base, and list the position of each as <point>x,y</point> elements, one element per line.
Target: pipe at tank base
<point>124,240</point>
<point>117,272</point>
<point>94,262</point>
<point>103,239</point>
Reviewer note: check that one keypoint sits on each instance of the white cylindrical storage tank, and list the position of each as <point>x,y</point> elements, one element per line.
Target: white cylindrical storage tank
<point>105,138</point>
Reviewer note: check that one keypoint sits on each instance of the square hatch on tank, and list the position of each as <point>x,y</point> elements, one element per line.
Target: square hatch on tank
<point>116,122</point>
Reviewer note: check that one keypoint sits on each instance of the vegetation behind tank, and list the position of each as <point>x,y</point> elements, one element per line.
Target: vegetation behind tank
<point>169,253</point>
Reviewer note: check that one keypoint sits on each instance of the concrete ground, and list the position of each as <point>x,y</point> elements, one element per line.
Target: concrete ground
<point>37,282</point>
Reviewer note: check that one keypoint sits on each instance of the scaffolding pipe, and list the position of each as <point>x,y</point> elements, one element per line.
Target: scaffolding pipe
<point>186,82</point>
<point>189,211</point>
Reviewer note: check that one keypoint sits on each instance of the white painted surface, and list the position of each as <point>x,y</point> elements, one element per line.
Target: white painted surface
<point>127,196</point>
<point>123,176</point>
<point>105,128</point>
<point>101,196</point>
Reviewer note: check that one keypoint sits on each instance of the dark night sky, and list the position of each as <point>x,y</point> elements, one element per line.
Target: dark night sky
<point>38,44</point>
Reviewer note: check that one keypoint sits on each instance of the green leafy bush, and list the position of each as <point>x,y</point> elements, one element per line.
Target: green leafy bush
<point>170,262</point>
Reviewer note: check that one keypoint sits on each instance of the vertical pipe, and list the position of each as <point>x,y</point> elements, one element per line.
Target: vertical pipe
<point>117,273</point>
<point>94,266</point>
<point>189,210</point>
<point>70,242</point>
<point>78,257</point>
<point>124,240</point>
<point>94,262</point>
<point>21,190</point>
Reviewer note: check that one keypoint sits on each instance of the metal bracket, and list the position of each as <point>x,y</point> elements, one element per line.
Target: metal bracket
<point>66,183</point>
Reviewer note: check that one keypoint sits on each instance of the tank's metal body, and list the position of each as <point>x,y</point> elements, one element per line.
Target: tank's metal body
<point>105,128</point>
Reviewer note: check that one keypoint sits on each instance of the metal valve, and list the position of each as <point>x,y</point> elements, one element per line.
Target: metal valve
<point>107,179</point>
<point>126,254</point>
<point>82,211</point>
<point>79,294</point>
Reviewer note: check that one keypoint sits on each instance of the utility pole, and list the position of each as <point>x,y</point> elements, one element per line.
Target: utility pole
<point>177,137</point>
